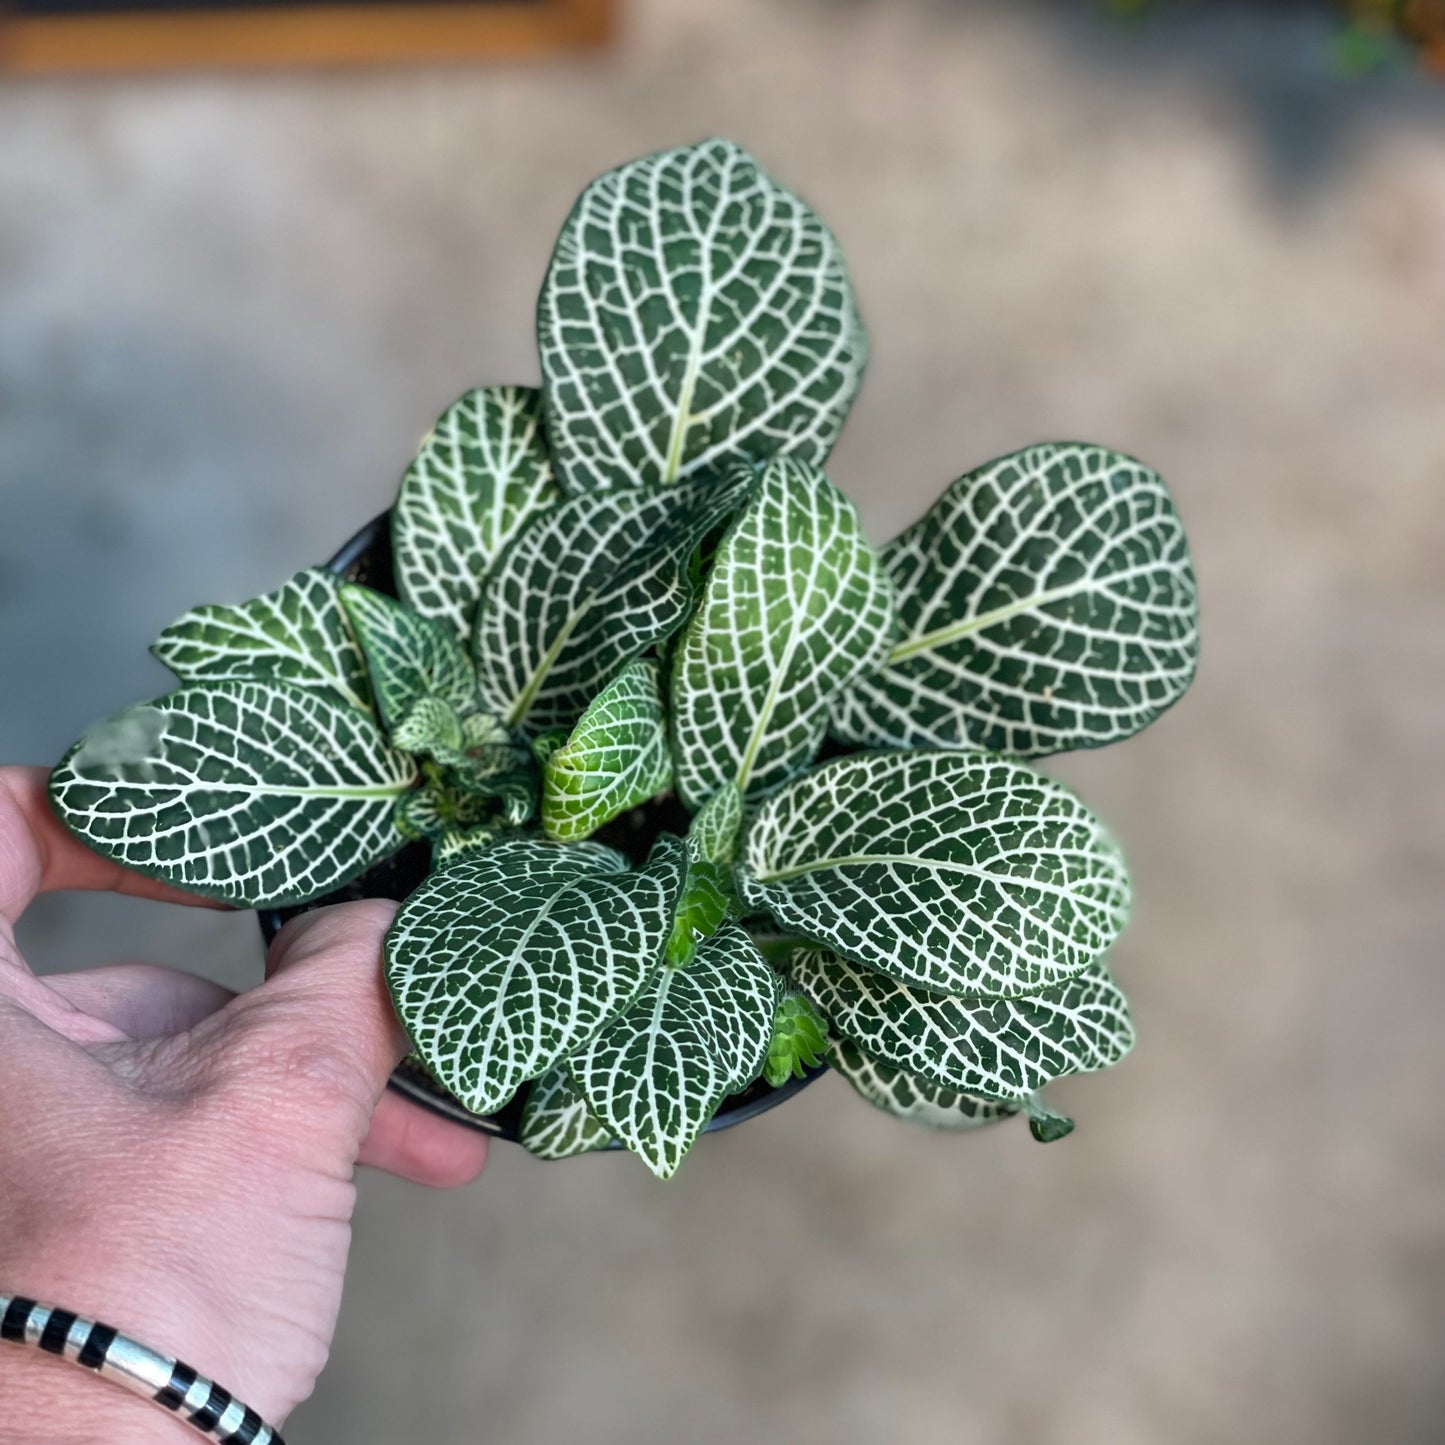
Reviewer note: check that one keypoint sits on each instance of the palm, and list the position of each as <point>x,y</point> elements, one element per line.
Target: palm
<point>173,1133</point>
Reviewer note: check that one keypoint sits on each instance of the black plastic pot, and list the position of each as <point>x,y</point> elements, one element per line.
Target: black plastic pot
<point>367,558</point>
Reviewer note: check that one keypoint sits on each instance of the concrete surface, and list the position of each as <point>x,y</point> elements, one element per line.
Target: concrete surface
<point>228,307</point>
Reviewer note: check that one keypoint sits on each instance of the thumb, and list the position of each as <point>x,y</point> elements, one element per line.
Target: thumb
<point>321,1032</point>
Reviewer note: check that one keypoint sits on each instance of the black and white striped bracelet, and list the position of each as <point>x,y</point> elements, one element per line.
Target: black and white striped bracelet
<point>117,1357</point>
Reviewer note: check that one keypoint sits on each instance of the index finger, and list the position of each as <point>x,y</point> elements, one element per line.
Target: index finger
<point>37,855</point>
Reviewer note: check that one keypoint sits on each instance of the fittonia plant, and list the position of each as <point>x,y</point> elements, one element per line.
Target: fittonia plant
<point>637,579</point>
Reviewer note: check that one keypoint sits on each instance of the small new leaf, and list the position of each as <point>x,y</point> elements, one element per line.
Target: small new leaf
<point>717,827</point>
<point>708,901</point>
<point>261,794</point>
<point>615,758</point>
<point>906,1096</point>
<point>447,845</point>
<point>1044,1124</point>
<point>1046,602</point>
<point>517,792</point>
<point>585,589</point>
<point>409,657</point>
<point>430,728</point>
<point>1002,1049</point>
<point>959,872</point>
<point>800,1037</point>
<point>695,313</point>
<point>297,634</point>
<point>419,815</point>
<point>655,1076</point>
<point>556,1122</point>
<point>507,959</point>
<point>796,606</point>
<point>479,477</point>
<point>438,808</point>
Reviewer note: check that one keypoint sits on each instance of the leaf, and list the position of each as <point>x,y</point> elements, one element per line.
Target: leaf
<point>517,792</point>
<point>585,589</point>
<point>1044,1124</point>
<point>708,901</point>
<point>431,728</point>
<point>509,958</point>
<point>430,811</point>
<point>797,605</point>
<point>695,313</point>
<point>419,815</point>
<point>556,1122</point>
<point>486,782</point>
<point>447,845</point>
<point>615,758</point>
<point>480,476</point>
<point>800,1037</point>
<point>410,658</point>
<point>262,794</point>
<point>1047,602</point>
<point>656,1075</point>
<point>1003,1049</point>
<point>906,1096</point>
<point>717,827</point>
<point>297,634</point>
<point>545,744</point>
<point>744,994</point>
<point>954,871</point>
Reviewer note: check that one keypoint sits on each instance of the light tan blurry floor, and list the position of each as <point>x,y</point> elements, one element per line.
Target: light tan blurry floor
<point>230,307</point>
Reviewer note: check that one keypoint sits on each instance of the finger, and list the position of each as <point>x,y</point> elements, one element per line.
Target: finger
<point>37,855</point>
<point>31,1009</point>
<point>321,1029</point>
<point>142,1000</point>
<point>407,1141</point>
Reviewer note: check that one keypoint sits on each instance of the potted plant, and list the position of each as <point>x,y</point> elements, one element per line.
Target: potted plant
<point>686,787</point>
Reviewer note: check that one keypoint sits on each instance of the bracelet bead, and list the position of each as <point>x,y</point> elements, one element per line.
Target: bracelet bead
<point>167,1382</point>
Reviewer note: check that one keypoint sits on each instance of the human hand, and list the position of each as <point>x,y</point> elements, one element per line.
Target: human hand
<point>177,1161</point>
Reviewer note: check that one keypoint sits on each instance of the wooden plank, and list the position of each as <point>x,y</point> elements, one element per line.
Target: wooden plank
<point>303,35</point>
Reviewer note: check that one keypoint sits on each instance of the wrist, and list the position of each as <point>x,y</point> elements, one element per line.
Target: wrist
<point>105,1264</point>
<point>46,1401</point>
<point>139,1290</point>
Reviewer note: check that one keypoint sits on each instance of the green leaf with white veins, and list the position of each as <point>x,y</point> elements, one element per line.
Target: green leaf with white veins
<point>585,589</point>
<point>297,634</point>
<point>615,758</point>
<point>261,794</point>
<point>960,872</point>
<point>409,657</point>
<point>507,959</point>
<point>447,845</point>
<point>745,993</point>
<point>906,1096</point>
<point>695,313</point>
<point>716,827</point>
<point>556,1122</point>
<point>797,605</point>
<point>430,727</point>
<point>656,1075</point>
<point>479,477</point>
<point>1001,1048</point>
<point>1047,602</point>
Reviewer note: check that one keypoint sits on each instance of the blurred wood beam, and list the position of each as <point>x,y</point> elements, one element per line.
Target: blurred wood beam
<point>300,35</point>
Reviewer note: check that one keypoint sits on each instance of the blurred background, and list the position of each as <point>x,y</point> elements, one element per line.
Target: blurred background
<point>1210,234</point>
